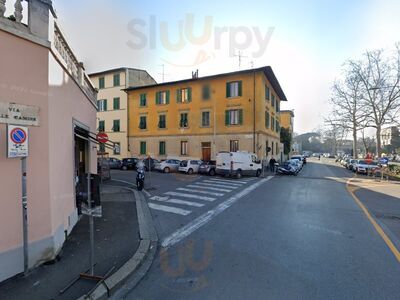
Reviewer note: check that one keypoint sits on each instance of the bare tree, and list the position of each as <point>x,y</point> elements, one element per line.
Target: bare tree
<point>379,75</point>
<point>348,113</point>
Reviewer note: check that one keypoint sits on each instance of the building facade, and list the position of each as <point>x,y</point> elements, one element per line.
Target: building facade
<point>198,117</point>
<point>287,120</point>
<point>41,75</point>
<point>390,137</point>
<point>112,102</point>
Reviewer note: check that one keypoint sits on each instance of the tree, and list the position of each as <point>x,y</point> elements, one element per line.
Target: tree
<point>379,75</point>
<point>286,139</point>
<point>348,113</point>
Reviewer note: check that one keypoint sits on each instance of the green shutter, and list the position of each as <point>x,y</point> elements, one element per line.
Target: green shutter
<point>157,97</point>
<point>240,88</point>
<point>228,90</point>
<point>178,96</point>
<point>227,117</point>
<point>189,94</point>
<point>105,105</point>
<point>267,119</point>
<point>167,97</point>
<point>240,116</point>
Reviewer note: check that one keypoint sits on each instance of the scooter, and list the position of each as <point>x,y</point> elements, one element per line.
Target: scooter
<point>140,179</point>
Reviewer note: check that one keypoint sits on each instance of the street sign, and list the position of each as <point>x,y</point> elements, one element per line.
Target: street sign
<point>17,141</point>
<point>17,114</point>
<point>102,137</point>
<point>384,161</point>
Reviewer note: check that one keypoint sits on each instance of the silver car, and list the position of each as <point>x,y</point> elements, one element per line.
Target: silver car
<point>167,166</point>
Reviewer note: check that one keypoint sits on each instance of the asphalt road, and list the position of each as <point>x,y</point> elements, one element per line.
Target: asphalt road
<point>289,237</point>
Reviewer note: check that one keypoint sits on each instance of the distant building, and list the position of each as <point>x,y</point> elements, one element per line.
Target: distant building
<point>287,120</point>
<point>198,117</point>
<point>41,76</point>
<point>112,102</point>
<point>390,137</point>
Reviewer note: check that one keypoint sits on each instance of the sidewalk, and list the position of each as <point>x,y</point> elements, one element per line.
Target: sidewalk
<point>116,241</point>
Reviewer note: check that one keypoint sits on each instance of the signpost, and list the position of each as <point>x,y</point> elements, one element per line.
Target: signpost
<point>102,137</point>
<point>12,113</point>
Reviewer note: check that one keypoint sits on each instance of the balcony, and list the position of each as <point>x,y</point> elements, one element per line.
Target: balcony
<point>36,20</point>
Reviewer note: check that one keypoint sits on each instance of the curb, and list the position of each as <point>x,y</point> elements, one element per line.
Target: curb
<point>137,266</point>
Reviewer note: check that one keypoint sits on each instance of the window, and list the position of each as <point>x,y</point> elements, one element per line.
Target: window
<point>184,95</point>
<point>233,89</point>
<point>234,145</point>
<point>143,148</point>
<point>206,92</point>
<point>266,119</point>
<point>142,122</point>
<point>102,105</point>
<point>277,127</point>
<point>116,127</point>
<point>162,121</point>
<point>101,83</point>
<point>117,149</point>
<point>267,92</point>
<point>162,148</point>
<point>277,105</point>
<point>184,122</point>
<point>272,148</point>
<point>116,80</point>
<point>116,103</point>
<point>273,101</point>
<point>266,147</point>
<point>184,148</point>
<point>234,117</point>
<point>162,97</point>
<point>102,148</point>
<point>143,100</point>
<point>277,149</point>
<point>205,118</point>
<point>102,125</point>
<point>272,123</point>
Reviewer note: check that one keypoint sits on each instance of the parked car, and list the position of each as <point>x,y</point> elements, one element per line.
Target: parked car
<point>208,167</point>
<point>238,164</point>
<point>299,158</point>
<point>189,166</point>
<point>363,167</point>
<point>150,163</point>
<point>350,164</point>
<point>289,167</point>
<point>129,163</point>
<point>115,163</point>
<point>167,166</point>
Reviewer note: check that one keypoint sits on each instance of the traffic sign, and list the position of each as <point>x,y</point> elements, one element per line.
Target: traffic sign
<point>17,141</point>
<point>102,137</point>
<point>384,161</point>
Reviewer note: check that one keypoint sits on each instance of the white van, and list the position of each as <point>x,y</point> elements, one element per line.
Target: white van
<point>238,164</point>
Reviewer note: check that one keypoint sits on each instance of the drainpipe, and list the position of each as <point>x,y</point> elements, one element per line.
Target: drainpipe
<point>254,111</point>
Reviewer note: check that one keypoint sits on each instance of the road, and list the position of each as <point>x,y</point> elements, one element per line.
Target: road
<point>286,237</point>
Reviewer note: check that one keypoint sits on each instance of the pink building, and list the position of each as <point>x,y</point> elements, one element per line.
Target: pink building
<point>38,68</point>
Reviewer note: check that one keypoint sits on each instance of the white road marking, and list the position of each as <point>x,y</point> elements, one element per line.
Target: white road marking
<point>219,184</point>
<point>237,182</point>
<point>185,195</point>
<point>170,209</point>
<point>200,192</point>
<point>197,186</point>
<point>176,201</point>
<point>188,229</point>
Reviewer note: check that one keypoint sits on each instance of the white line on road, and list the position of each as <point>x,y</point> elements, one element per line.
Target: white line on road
<point>188,229</point>
<point>197,186</point>
<point>200,192</point>
<point>170,209</point>
<point>219,184</point>
<point>235,182</point>
<point>176,201</point>
<point>184,195</point>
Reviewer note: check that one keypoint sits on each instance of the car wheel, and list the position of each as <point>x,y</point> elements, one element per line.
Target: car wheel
<point>212,172</point>
<point>190,171</point>
<point>258,173</point>
<point>124,168</point>
<point>239,174</point>
<point>166,170</point>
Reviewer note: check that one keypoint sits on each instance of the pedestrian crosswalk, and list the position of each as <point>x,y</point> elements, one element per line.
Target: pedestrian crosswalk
<point>184,200</point>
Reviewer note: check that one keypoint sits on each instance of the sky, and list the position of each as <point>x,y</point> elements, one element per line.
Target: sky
<point>305,42</point>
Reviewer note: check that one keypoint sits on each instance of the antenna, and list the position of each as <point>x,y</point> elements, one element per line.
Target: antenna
<point>240,56</point>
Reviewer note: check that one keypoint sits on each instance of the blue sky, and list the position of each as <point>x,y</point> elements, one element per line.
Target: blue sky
<point>309,43</point>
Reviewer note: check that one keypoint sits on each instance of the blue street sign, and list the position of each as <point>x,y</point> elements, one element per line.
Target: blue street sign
<point>384,160</point>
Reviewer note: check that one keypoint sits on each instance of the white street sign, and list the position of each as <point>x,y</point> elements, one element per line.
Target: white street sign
<point>17,114</point>
<point>17,141</point>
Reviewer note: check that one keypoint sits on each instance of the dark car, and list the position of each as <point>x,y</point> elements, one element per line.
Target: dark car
<point>150,163</point>
<point>115,163</point>
<point>129,163</point>
<point>208,167</point>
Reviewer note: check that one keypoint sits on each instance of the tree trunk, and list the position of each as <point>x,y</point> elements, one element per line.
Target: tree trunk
<point>378,141</point>
<point>355,142</point>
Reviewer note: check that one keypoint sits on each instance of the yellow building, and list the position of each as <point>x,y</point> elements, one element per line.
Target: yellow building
<point>112,102</point>
<point>198,117</point>
<point>287,117</point>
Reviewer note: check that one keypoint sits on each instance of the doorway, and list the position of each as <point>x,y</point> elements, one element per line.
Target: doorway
<point>206,151</point>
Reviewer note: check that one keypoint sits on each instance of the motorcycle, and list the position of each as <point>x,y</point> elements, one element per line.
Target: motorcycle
<point>140,179</point>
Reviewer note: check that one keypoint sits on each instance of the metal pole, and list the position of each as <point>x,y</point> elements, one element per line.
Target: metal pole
<point>254,112</point>
<point>91,227</point>
<point>25,215</point>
